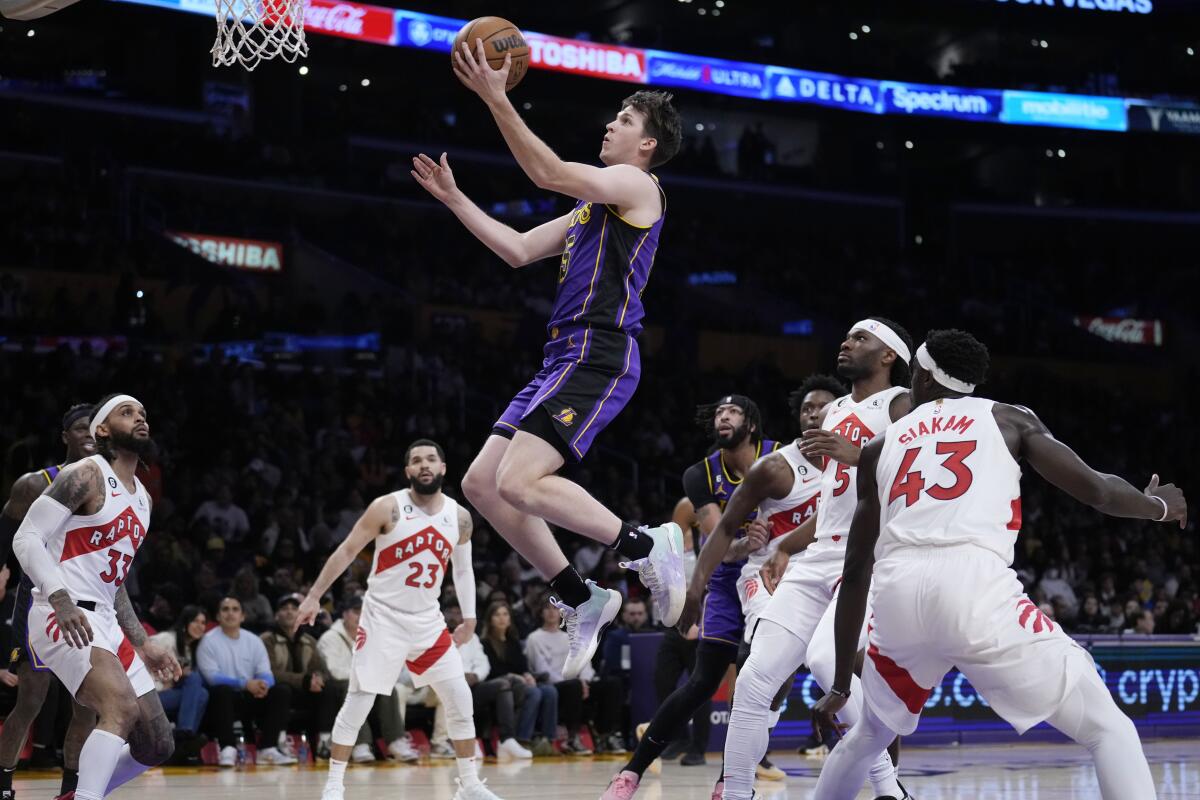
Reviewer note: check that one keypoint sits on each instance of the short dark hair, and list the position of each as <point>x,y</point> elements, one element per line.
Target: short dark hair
<point>959,354</point>
<point>662,122</point>
<point>900,375</point>
<point>815,383</point>
<point>424,443</point>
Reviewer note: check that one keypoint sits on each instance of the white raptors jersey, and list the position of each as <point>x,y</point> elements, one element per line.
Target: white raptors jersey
<point>412,558</point>
<point>859,423</point>
<point>946,477</point>
<point>94,552</point>
<point>785,514</point>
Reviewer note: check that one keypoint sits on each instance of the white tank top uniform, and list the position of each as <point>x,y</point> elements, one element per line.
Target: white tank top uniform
<point>943,592</point>
<point>402,623</point>
<point>93,553</point>
<point>807,589</point>
<point>781,516</point>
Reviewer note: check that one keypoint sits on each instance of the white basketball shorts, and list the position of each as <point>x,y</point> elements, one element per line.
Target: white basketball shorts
<point>388,640</point>
<point>934,608</point>
<point>72,664</point>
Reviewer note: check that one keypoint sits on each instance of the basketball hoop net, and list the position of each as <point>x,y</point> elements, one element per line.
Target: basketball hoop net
<point>252,31</point>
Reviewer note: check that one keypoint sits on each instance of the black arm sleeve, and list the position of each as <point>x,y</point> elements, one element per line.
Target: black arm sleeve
<point>695,486</point>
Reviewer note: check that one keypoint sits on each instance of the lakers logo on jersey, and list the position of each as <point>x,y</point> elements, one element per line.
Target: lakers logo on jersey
<point>581,215</point>
<point>566,416</point>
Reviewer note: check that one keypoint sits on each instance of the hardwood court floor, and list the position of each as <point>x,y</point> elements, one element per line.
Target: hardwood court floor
<point>1013,772</point>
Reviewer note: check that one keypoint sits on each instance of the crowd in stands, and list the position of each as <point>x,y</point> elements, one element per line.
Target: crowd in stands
<point>263,472</point>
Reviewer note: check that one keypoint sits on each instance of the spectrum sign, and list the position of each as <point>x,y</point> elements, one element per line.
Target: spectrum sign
<point>401,28</point>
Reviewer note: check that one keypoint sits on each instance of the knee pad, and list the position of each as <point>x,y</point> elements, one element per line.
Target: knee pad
<point>352,716</point>
<point>455,696</point>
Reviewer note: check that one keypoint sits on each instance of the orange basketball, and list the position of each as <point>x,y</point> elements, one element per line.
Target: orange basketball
<point>500,38</point>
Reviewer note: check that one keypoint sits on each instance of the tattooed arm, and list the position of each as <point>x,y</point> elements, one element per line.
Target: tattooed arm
<point>78,489</point>
<point>464,577</point>
<point>128,620</point>
<point>159,660</point>
<point>382,515</point>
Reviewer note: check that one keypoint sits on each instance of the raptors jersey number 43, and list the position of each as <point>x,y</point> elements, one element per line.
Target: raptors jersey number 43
<point>947,477</point>
<point>412,558</point>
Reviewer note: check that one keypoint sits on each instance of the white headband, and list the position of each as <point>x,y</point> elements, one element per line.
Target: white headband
<point>940,375</point>
<point>886,335</point>
<point>107,409</point>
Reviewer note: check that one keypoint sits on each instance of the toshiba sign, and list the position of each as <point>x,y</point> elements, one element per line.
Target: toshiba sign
<point>587,58</point>
<point>247,254</point>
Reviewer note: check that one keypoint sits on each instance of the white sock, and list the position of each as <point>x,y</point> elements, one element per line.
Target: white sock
<point>97,760</point>
<point>467,772</point>
<point>127,769</point>
<point>337,773</point>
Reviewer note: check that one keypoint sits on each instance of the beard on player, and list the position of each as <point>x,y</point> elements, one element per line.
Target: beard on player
<point>426,483</point>
<point>145,448</point>
<point>732,438</point>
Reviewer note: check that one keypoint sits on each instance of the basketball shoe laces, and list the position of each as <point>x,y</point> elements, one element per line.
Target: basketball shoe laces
<point>649,577</point>
<point>570,624</point>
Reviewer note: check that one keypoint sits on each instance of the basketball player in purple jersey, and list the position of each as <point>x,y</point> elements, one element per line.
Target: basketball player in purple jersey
<point>606,246</point>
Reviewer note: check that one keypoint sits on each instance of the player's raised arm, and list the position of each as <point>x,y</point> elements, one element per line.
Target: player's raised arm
<point>1108,494</point>
<point>621,184</point>
<point>516,248</point>
<point>381,515</point>
<point>856,583</point>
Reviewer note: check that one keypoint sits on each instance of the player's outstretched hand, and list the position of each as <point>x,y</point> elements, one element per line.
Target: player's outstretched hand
<point>828,444</point>
<point>1172,495</point>
<point>824,714</point>
<point>473,69</point>
<point>308,611</point>
<point>772,571</point>
<point>690,614</point>
<point>161,662</point>
<point>71,620</point>
<point>463,633</point>
<point>435,177</point>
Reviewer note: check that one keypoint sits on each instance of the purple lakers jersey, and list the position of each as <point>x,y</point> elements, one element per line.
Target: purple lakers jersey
<point>604,269</point>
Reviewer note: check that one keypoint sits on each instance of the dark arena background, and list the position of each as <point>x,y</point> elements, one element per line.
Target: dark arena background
<point>247,254</point>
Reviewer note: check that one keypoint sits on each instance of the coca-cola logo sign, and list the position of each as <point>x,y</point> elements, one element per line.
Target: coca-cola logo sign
<point>351,21</point>
<point>1125,331</point>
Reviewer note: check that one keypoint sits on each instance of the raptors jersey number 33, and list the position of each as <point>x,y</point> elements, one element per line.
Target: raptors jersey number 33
<point>412,558</point>
<point>94,552</point>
